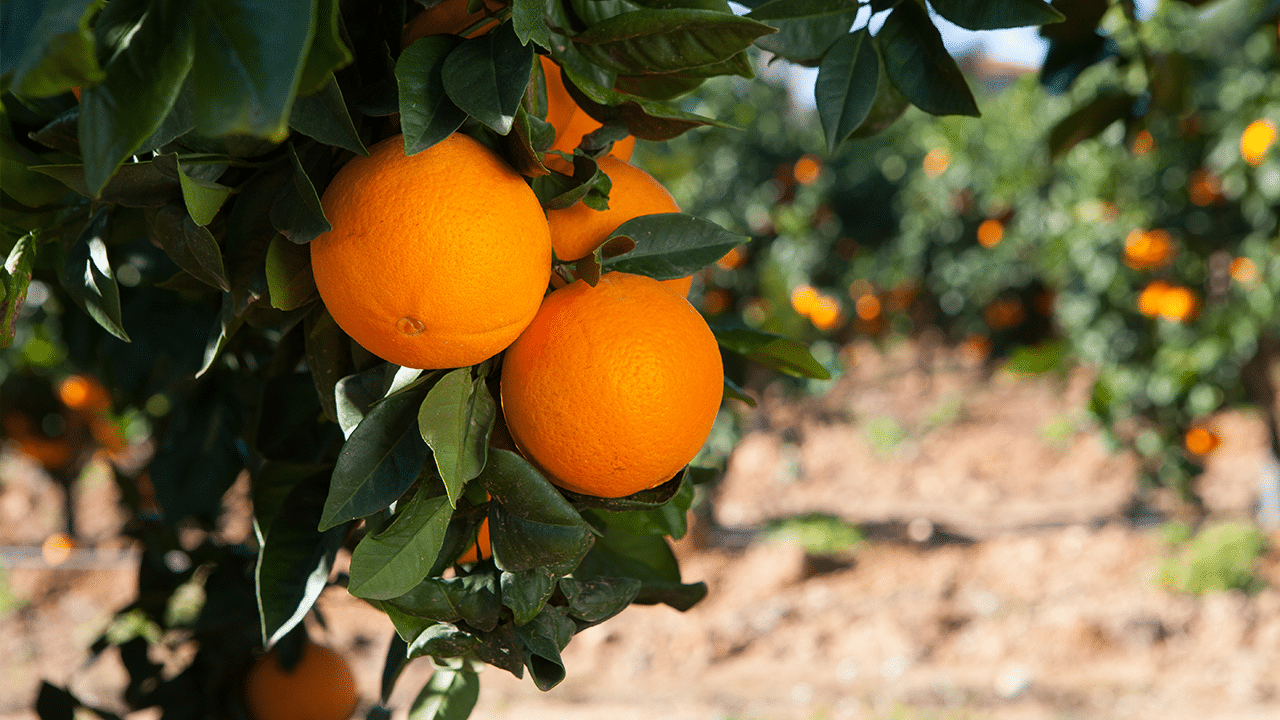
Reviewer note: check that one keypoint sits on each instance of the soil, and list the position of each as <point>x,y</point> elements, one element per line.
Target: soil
<point>1004,574</point>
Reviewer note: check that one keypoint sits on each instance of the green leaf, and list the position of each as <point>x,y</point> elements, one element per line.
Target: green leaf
<point>996,14</point>
<point>397,660</point>
<point>289,277</point>
<point>557,191</point>
<point>152,52</point>
<point>16,277</point>
<point>733,390</point>
<point>388,564</point>
<point>448,695</point>
<point>543,639</point>
<point>295,558</point>
<point>435,639</point>
<point>242,84</point>
<point>203,198</point>
<point>328,355</point>
<point>59,51</point>
<point>643,118</point>
<point>323,116</point>
<point>427,115</point>
<point>919,64</point>
<point>192,247</point>
<point>654,497</point>
<point>646,42</point>
<point>598,599</point>
<point>145,184</point>
<point>455,420</point>
<point>379,462</point>
<point>486,76</point>
<point>671,518</point>
<point>526,592</point>
<point>647,558</point>
<point>296,211</point>
<point>225,326</point>
<point>472,599</point>
<point>327,52</point>
<point>530,523</point>
<point>527,19</point>
<point>1088,121</point>
<point>88,277</point>
<point>806,28</point>
<point>772,351</point>
<point>889,104</point>
<point>20,182</point>
<point>356,395</point>
<point>671,245</point>
<point>845,90</point>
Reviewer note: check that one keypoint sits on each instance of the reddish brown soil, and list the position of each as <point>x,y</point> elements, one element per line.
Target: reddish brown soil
<point>1033,598</point>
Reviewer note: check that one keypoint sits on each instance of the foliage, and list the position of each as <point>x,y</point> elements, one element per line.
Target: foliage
<point>1217,558</point>
<point>162,163</point>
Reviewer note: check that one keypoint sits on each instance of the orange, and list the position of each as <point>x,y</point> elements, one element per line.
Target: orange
<point>579,125</point>
<point>1179,304</point>
<point>1256,141</point>
<point>1148,249</point>
<point>990,233</point>
<point>480,549</point>
<point>807,169</point>
<point>435,260</point>
<point>56,549</point>
<point>1201,441</point>
<point>319,687</point>
<point>81,392</point>
<point>1004,314</point>
<point>448,18</point>
<point>560,106</point>
<point>614,388</point>
<point>936,162</point>
<point>1151,298</point>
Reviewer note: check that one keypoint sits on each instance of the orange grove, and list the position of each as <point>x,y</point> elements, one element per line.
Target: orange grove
<point>627,358</point>
<point>576,231</point>
<point>435,260</point>
<point>320,686</point>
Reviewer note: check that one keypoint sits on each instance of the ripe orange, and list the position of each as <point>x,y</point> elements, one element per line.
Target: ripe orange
<point>448,18</point>
<point>320,687</point>
<point>990,233</point>
<point>1151,299</point>
<point>435,260</point>
<point>560,106</point>
<point>1148,249</point>
<point>576,231</point>
<point>1201,441</point>
<point>83,393</point>
<point>614,388</point>
<point>1256,141</point>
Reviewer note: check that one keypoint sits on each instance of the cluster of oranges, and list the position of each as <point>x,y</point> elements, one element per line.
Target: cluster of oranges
<point>1151,250</point>
<point>443,259</point>
<point>823,310</point>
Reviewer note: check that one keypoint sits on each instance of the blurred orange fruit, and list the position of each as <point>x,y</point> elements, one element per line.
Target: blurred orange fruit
<point>807,169</point>
<point>1204,188</point>
<point>936,162</point>
<point>867,307</point>
<point>1004,314</point>
<point>320,686</point>
<point>990,233</point>
<point>1143,143</point>
<point>56,549</point>
<point>1148,249</point>
<point>435,260</point>
<point>803,299</point>
<point>1151,299</point>
<point>716,301</point>
<point>1256,141</point>
<point>1179,304</point>
<point>614,388</point>
<point>826,313</point>
<point>733,259</point>
<point>85,394</point>
<point>1201,441</point>
<point>1244,271</point>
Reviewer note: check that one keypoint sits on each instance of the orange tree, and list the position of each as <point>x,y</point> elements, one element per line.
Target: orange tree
<point>166,168</point>
<point>1126,220</point>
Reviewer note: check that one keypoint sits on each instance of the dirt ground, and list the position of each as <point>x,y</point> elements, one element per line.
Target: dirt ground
<point>1001,578</point>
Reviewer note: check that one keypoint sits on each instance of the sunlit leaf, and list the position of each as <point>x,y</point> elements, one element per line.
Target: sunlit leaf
<point>455,420</point>
<point>448,695</point>
<point>773,351</point>
<point>486,76</point>
<point>671,245</point>
<point>427,115</point>
<point>389,563</point>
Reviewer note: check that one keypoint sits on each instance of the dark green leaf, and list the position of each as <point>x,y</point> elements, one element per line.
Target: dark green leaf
<point>328,356</point>
<point>327,52</point>
<point>732,390</point>
<point>323,115</point>
<point>472,599</point>
<point>527,19</point>
<point>379,462</point>
<point>59,49</point>
<point>427,115</point>
<point>289,277</point>
<point>919,64</point>
<point>526,592</point>
<point>772,351</point>
<point>645,42</point>
<point>598,599</point>
<point>388,564</point>
<point>397,659</point>
<point>455,420</point>
<point>88,277</point>
<point>154,54</point>
<point>654,497</point>
<point>486,76</point>
<point>647,558</point>
<point>295,559</point>
<point>203,198</point>
<point>845,90</point>
<point>888,105</point>
<point>806,28</point>
<point>142,184</point>
<point>530,523</point>
<point>671,245</point>
<point>448,695</point>
<point>20,182</point>
<point>225,326</point>
<point>1088,121</point>
<point>439,640</point>
<point>996,14</point>
<point>502,648</point>
<point>242,84</point>
<point>670,518</point>
<point>355,395</point>
<point>191,246</point>
<point>543,639</point>
<point>297,212</point>
<point>557,191</point>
